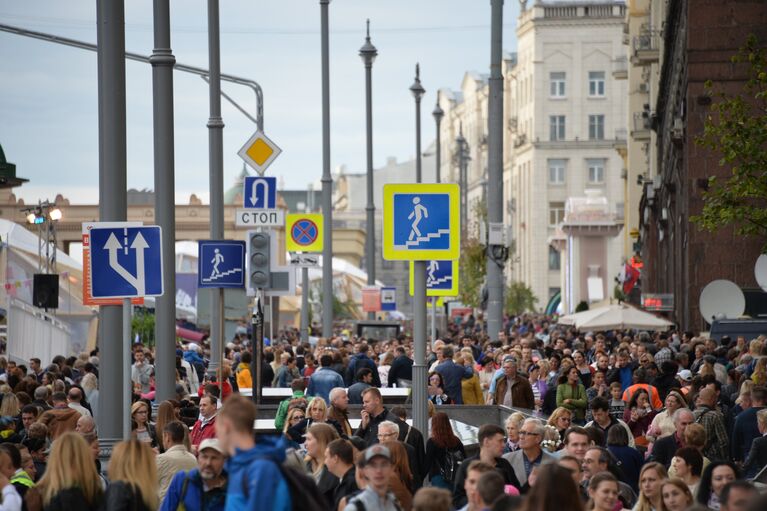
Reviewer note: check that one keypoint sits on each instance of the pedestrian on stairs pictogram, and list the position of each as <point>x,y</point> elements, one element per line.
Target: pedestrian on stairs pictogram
<point>441,278</point>
<point>421,222</point>
<point>221,264</point>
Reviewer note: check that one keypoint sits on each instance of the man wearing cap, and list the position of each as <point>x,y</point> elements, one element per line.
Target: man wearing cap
<point>512,389</point>
<point>377,470</point>
<point>175,458</point>
<point>202,488</point>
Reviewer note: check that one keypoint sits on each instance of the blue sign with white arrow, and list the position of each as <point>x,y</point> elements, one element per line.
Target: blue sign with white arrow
<point>126,262</point>
<point>259,192</point>
<point>221,263</point>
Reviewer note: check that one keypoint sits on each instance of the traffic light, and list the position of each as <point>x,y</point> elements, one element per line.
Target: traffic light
<point>258,259</point>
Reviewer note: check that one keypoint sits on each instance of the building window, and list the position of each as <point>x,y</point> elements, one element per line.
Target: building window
<point>556,213</point>
<point>596,171</point>
<point>556,127</point>
<point>554,258</point>
<point>597,83</point>
<point>557,85</point>
<point>596,127</point>
<point>557,172</point>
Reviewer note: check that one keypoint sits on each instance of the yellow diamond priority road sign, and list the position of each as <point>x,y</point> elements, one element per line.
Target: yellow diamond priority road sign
<point>259,152</point>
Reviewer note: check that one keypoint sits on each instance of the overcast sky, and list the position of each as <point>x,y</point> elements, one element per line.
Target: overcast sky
<point>48,92</point>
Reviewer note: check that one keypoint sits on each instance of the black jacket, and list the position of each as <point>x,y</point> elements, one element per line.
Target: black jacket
<point>401,369</point>
<point>664,449</point>
<point>347,487</point>
<point>69,499</point>
<point>121,496</point>
<point>757,457</point>
<point>501,465</point>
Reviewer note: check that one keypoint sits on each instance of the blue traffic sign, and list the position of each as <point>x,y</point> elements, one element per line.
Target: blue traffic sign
<point>388,298</point>
<point>441,278</point>
<point>126,262</point>
<point>221,263</point>
<point>421,221</point>
<point>259,192</point>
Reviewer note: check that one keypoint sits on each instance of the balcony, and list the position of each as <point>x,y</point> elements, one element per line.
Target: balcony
<point>646,47</point>
<point>641,126</point>
<point>621,134</point>
<point>621,68</point>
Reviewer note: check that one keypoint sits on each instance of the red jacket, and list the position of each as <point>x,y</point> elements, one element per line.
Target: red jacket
<point>200,433</point>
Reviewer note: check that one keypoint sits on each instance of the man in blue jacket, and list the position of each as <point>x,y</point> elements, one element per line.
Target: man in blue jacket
<point>255,480</point>
<point>359,361</point>
<point>746,428</point>
<point>202,488</point>
<point>324,379</point>
<point>452,374</point>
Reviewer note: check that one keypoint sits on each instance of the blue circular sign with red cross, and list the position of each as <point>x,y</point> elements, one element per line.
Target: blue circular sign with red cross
<point>304,232</point>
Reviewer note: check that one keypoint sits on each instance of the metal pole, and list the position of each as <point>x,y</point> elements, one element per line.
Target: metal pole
<point>216,164</point>
<point>258,352</point>
<point>162,61</point>
<point>327,180</point>
<point>494,190</point>
<point>112,206</point>
<point>368,53</point>
<point>438,113</point>
<point>420,410</point>
<point>418,92</point>
<point>304,304</point>
<point>127,389</point>
<point>433,318</point>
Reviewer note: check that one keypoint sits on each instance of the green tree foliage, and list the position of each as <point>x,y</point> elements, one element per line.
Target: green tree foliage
<point>737,130</point>
<point>344,309</point>
<point>519,299</point>
<point>143,325</point>
<point>473,269</point>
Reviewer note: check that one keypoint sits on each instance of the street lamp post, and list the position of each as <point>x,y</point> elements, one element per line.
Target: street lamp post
<point>368,53</point>
<point>419,288</point>
<point>327,179</point>
<point>463,160</point>
<point>438,114</point>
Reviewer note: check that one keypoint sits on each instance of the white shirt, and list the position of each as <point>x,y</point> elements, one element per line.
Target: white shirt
<point>11,499</point>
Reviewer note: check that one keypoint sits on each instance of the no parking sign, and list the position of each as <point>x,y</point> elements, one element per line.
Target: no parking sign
<point>304,232</point>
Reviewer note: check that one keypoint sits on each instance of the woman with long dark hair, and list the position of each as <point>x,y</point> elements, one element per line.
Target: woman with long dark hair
<point>639,415</point>
<point>554,488</point>
<point>444,451</point>
<point>715,476</point>
<point>603,492</point>
<point>571,394</point>
<point>436,390</point>
<point>401,480</point>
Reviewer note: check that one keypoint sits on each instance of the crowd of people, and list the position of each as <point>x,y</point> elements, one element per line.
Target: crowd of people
<point>594,421</point>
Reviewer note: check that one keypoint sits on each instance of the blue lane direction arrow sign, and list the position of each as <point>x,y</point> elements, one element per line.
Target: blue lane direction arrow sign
<point>126,262</point>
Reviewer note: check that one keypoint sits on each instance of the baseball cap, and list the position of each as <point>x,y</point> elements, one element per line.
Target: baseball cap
<point>211,443</point>
<point>685,374</point>
<point>376,451</point>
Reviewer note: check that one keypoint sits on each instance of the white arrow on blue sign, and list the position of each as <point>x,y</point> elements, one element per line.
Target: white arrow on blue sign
<point>221,263</point>
<point>126,262</point>
<point>259,192</point>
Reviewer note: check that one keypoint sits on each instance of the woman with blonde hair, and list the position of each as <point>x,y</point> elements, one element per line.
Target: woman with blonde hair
<point>133,477</point>
<point>10,405</point>
<point>318,437</point>
<point>561,419</point>
<point>141,427</point>
<point>651,478</point>
<point>401,481</point>
<point>90,385</point>
<point>512,424</point>
<point>316,412</point>
<point>759,377</point>
<point>70,480</point>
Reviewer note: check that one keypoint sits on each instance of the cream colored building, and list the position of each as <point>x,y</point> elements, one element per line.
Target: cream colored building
<point>570,114</point>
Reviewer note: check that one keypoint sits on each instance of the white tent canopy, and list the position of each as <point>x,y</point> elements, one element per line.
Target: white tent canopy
<point>615,316</point>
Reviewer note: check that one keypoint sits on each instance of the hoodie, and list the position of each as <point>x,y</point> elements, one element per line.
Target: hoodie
<point>255,482</point>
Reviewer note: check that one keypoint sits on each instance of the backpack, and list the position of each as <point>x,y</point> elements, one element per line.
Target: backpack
<point>304,495</point>
<point>449,464</point>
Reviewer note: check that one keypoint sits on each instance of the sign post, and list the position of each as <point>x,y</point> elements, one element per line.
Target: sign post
<point>421,222</point>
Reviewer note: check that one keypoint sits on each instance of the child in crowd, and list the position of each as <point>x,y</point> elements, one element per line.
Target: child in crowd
<point>617,406</point>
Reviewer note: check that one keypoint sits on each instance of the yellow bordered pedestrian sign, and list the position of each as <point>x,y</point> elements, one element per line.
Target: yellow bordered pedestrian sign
<point>303,232</point>
<point>259,152</point>
<point>441,278</point>
<point>421,222</point>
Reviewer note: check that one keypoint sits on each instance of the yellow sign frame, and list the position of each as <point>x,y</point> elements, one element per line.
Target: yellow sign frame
<point>391,253</point>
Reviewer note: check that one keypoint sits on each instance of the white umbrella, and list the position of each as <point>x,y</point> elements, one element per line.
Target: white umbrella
<point>617,316</point>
